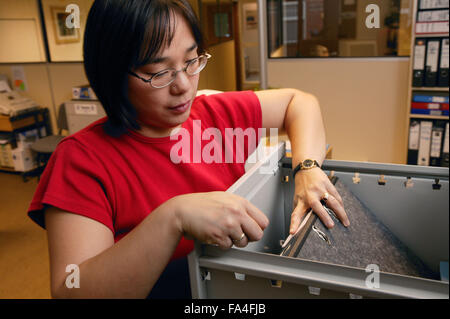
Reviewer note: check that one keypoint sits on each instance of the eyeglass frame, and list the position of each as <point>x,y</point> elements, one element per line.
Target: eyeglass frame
<point>183,69</point>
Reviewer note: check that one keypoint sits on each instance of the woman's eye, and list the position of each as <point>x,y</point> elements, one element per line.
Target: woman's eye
<point>192,60</point>
<point>161,74</point>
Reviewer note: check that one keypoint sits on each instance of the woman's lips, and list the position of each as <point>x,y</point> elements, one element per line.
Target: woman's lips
<point>180,108</point>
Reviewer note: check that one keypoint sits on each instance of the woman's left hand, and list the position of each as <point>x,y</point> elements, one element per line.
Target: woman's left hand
<point>310,188</point>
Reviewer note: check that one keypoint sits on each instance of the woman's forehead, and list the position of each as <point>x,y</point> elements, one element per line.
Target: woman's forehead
<point>179,42</point>
<point>174,34</point>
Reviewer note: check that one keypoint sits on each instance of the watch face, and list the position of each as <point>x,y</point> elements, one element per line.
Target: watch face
<point>308,163</point>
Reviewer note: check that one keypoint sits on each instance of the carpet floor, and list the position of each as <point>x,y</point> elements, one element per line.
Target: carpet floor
<point>24,263</point>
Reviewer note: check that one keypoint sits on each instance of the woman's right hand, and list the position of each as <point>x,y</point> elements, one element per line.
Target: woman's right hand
<point>219,218</point>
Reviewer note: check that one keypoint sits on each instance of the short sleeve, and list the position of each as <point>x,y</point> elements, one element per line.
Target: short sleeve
<point>229,111</point>
<point>74,181</point>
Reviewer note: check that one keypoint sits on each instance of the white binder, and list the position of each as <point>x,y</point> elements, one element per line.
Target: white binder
<point>433,4</point>
<point>425,143</point>
<point>445,148</point>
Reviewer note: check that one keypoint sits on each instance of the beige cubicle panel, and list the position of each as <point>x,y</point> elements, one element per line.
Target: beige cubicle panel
<point>20,32</point>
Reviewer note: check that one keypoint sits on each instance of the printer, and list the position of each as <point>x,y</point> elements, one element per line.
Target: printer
<point>11,102</point>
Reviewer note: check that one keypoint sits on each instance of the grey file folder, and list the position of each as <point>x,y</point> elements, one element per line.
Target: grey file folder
<point>365,242</point>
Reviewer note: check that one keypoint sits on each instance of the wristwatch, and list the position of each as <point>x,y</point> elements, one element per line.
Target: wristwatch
<point>306,164</point>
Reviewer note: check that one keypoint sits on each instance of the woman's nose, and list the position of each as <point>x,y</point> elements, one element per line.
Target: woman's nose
<point>181,83</point>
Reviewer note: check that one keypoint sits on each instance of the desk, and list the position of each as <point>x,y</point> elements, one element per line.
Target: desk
<point>29,120</point>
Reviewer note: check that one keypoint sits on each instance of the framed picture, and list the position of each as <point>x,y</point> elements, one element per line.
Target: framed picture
<point>63,34</point>
<point>251,19</point>
<point>218,26</point>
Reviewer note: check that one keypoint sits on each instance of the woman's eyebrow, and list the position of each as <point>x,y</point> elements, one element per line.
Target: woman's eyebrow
<point>163,58</point>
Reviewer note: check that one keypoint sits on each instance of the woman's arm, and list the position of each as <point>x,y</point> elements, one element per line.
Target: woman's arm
<point>298,113</point>
<point>130,268</point>
<point>127,269</point>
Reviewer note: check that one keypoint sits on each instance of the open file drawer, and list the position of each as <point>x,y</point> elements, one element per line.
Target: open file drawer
<point>411,201</point>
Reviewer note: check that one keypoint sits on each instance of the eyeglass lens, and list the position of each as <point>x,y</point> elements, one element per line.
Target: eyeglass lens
<point>166,77</point>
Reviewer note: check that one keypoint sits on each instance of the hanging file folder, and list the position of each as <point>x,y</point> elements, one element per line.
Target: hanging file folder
<point>366,241</point>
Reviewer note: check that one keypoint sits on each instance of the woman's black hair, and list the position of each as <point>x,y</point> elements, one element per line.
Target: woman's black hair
<point>122,35</point>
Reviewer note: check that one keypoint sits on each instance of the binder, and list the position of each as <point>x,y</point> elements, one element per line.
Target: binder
<point>443,65</point>
<point>432,27</point>
<point>429,106</point>
<point>432,16</point>
<point>433,4</point>
<point>437,134</point>
<point>431,64</point>
<point>413,142</point>
<point>445,147</point>
<point>419,62</point>
<point>430,112</point>
<point>424,143</point>
<point>430,97</point>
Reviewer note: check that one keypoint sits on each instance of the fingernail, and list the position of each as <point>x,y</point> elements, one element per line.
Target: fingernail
<point>330,224</point>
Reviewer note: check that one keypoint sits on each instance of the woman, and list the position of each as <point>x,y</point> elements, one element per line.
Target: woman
<point>114,202</point>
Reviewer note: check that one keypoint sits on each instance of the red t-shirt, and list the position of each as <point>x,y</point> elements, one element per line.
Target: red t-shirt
<point>119,181</point>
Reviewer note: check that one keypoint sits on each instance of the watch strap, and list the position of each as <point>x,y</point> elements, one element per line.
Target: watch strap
<point>299,167</point>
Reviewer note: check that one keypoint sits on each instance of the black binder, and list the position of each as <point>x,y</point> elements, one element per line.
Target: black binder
<point>431,65</point>
<point>413,142</point>
<point>437,138</point>
<point>366,241</point>
<point>419,62</point>
<point>443,64</point>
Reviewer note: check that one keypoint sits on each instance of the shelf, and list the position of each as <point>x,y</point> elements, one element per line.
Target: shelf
<point>442,92</point>
<point>436,35</point>
<point>429,117</point>
<point>424,88</point>
<point>37,117</point>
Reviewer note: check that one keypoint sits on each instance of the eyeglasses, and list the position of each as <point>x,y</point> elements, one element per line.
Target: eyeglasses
<point>165,77</point>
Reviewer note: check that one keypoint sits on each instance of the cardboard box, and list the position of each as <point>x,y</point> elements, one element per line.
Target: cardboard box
<point>24,159</point>
<point>27,138</point>
<point>6,159</point>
